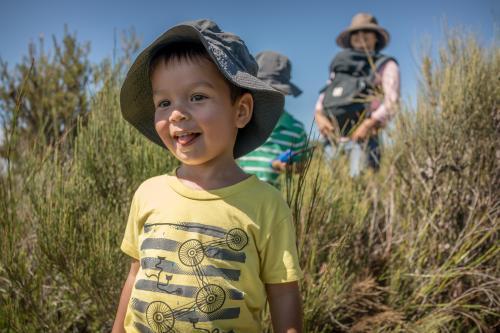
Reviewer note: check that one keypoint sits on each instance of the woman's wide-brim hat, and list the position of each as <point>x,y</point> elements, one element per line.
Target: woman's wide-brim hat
<point>233,60</point>
<point>364,21</point>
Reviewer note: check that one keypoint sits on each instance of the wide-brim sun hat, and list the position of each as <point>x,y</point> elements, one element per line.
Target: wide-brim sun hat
<point>364,21</point>
<point>276,70</point>
<point>233,60</point>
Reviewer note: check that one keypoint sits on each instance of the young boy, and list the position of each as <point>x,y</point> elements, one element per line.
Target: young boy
<point>208,242</point>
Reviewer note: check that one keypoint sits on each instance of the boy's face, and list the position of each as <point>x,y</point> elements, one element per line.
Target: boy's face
<point>195,117</point>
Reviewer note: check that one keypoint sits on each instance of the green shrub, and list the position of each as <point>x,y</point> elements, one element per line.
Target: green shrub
<point>412,248</point>
<point>67,238</point>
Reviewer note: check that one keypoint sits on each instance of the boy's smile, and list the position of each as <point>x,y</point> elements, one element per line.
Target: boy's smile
<point>195,117</point>
<point>185,139</point>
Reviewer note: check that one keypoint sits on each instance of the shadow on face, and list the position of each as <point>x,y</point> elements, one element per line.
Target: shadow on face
<point>364,40</point>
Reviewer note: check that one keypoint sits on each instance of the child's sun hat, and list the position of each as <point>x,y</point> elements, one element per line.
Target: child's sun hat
<point>276,69</point>
<point>234,61</point>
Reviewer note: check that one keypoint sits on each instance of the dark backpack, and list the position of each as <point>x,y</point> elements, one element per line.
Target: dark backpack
<point>345,96</point>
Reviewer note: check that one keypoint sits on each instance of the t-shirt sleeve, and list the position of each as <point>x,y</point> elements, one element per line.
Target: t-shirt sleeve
<point>131,238</point>
<point>301,141</point>
<point>279,259</point>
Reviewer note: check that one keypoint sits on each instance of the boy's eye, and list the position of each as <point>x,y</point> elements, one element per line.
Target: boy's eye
<point>197,98</point>
<point>163,104</point>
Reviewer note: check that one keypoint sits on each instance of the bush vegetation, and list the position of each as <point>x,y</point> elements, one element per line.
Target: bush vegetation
<point>412,248</point>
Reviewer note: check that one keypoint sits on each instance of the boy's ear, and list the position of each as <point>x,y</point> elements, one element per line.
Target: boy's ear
<point>244,109</point>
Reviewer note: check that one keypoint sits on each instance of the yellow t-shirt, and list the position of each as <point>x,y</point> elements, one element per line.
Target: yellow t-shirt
<point>206,255</point>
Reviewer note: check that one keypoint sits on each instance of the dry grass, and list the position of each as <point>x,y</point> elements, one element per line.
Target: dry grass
<point>413,248</point>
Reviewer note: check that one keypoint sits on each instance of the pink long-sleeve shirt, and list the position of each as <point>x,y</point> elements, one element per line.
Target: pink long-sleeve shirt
<point>389,78</point>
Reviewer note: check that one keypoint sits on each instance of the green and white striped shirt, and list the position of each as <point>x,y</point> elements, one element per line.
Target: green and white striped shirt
<point>288,134</point>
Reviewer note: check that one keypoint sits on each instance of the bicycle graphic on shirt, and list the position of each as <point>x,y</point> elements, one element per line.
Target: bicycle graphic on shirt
<point>209,297</point>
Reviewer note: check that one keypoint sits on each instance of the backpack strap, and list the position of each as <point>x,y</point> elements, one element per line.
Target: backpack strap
<point>381,61</point>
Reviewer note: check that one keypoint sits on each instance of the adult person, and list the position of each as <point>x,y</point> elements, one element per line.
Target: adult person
<point>361,95</point>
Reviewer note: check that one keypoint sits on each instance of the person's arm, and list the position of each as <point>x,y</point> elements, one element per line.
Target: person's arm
<point>118,326</point>
<point>390,86</point>
<point>285,305</point>
<point>324,124</point>
<point>381,116</point>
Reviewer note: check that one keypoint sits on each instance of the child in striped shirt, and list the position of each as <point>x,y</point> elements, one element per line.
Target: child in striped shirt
<point>288,138</point>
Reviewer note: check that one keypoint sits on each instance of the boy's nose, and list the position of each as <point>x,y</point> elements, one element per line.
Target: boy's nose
<point>178,114</point>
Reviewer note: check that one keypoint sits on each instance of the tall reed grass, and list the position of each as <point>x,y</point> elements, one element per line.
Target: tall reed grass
<point>412,248</point>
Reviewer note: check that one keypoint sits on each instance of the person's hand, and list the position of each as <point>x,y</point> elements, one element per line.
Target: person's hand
<point>283,161</point>
<point>279,166</point>
<point>324,124</point>
<point>367,128</point>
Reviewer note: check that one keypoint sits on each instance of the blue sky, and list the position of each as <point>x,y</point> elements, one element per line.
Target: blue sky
<point>305,31</point>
